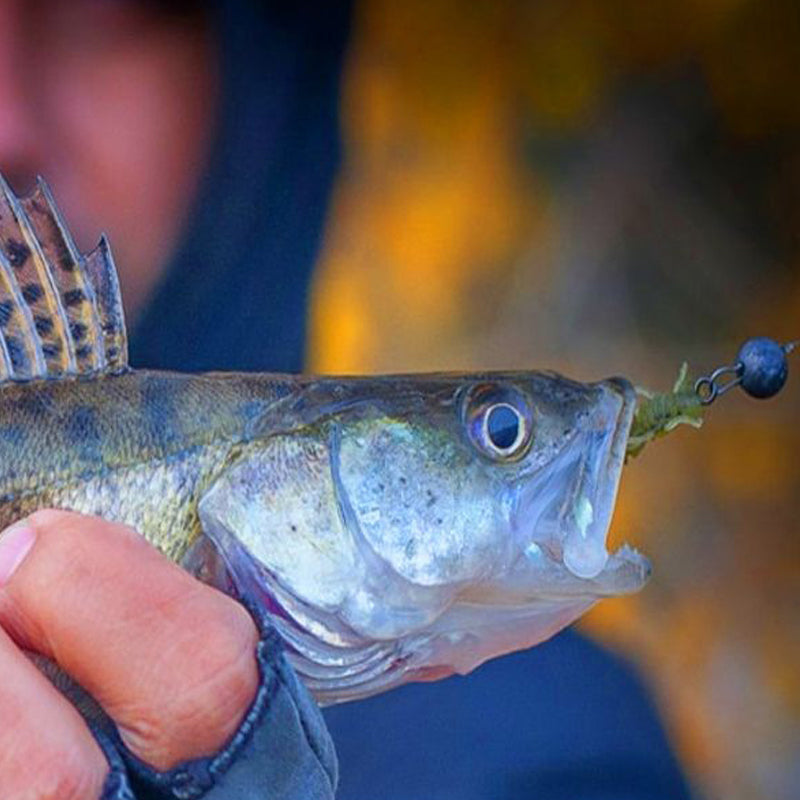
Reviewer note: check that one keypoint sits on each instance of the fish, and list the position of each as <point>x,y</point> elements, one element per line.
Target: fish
<point>389,528</point>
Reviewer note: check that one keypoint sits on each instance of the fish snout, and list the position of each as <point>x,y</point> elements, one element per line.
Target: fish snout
<point>565,512</point>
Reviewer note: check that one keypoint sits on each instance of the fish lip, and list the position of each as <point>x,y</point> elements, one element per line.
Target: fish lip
<point>619,442</point>
<point>589,504</point>
<point>608,483</point>
<point>626,570</point>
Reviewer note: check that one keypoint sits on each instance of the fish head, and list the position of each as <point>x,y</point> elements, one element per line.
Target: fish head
<point>423,524</point>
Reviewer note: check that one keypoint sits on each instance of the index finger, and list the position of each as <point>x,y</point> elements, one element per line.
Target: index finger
<point>170,660</point>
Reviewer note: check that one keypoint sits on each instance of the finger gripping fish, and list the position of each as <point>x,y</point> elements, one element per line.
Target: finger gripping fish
<point>391,528</point>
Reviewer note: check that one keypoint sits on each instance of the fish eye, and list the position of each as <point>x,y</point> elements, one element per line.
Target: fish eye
<point>499,421</point>
<point>504,426</point>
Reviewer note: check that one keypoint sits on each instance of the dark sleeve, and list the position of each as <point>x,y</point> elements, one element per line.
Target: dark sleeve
<point>281,751</point>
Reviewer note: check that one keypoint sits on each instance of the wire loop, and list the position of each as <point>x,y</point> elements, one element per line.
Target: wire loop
<point>708,388</point>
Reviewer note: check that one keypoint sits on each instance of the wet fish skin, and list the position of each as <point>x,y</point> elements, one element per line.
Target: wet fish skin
<point>141,447</point>
<point>138,448</point>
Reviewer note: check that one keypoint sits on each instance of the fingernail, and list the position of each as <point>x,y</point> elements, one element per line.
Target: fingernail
<point>15,543</point>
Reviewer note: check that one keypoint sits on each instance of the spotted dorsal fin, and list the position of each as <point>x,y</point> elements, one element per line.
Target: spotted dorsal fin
<point>60,312</point>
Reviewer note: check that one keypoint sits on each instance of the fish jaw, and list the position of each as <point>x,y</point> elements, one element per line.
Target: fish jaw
<point>475,630</point>
<point>569,528</point>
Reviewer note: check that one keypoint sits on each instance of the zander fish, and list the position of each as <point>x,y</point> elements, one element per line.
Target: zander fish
<point>391,528</point>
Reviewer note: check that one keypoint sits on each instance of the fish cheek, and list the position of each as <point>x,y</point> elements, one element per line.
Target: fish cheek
<point>423,504</point>
<point>278,502</point>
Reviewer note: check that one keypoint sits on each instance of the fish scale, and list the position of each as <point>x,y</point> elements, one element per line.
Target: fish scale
<point>113,447</point>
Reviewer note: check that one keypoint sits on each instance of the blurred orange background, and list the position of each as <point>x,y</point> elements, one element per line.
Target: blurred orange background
<point>605,188</point>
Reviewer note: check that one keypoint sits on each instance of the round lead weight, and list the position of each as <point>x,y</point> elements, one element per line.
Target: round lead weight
<point>763,366</point>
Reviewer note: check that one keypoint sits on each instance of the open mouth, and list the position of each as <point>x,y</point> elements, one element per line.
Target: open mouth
<point>586,513</point>
<point>593,497</point>
<point>571,513</point>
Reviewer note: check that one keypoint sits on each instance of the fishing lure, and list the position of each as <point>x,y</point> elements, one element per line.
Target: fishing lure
<point>761,369</point>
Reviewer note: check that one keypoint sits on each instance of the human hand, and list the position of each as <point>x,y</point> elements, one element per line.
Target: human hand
<point>170,660</point>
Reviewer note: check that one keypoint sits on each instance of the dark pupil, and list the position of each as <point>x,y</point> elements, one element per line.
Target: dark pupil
<point>503,427</point>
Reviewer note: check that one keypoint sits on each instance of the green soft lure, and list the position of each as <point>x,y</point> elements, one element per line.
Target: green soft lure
<point>658,413</point>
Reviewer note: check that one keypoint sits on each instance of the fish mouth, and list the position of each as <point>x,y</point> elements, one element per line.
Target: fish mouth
<point>594,492</point>
<point>562,522</point>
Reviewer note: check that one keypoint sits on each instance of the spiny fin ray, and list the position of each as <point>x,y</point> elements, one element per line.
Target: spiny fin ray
<point>102,274</point>
<point>60,312</point>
